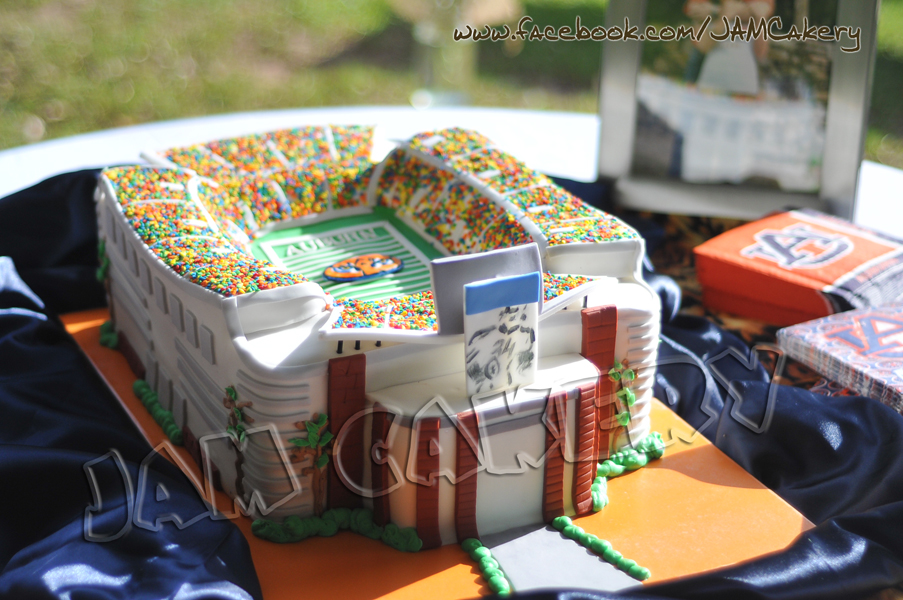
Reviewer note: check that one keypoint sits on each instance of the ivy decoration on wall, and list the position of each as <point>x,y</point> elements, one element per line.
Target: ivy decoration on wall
<point>623,377</point>
<point>103,260</point>
<point>235,426</point>
<point>318,447</point>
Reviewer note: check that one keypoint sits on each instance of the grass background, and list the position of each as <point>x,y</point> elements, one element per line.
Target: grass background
<point>73,66</point>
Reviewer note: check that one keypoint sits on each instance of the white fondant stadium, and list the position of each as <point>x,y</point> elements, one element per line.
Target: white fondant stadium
<point>467,393</point>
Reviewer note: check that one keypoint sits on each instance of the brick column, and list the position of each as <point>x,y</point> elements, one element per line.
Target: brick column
<point>600,331</point>
<point>585,460</point>
<point>380,472</point>
<point>345,398</point>
<point>553,487</point>
<point>427,432</point>
<point>466,465</point>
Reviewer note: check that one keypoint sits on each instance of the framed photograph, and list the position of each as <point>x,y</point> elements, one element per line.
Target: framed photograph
<point>736,107</point>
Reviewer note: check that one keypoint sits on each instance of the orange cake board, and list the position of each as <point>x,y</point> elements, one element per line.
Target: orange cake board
<point>693,511</point>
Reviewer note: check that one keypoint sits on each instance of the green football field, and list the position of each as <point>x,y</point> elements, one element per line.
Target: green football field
<point>309,250</point>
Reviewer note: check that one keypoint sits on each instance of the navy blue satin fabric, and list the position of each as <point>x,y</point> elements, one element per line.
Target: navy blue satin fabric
<point>838,460</point>
<point>50,232</point>
<point>58,417</point>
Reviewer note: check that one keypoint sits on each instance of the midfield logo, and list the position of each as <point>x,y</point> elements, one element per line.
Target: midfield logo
<point>799,247</point>
<point>874,336</point>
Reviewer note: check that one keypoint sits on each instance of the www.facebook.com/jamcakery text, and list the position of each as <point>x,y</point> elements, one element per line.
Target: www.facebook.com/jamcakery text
<point>768,29</point>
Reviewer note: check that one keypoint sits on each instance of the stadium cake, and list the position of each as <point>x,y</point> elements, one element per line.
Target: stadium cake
<point>433,348</point>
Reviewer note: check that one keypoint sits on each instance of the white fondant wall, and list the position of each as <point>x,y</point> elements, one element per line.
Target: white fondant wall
<point>510,492</point>
<point>195,342</point>
<point>621,259</point>
<point>514,498</point>
<point>407,363</point>
<point>639,318</point>
<point>560,333</point>
<point>182,331</point>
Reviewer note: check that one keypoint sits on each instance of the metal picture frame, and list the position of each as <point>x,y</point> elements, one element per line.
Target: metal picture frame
<point>845,128</point>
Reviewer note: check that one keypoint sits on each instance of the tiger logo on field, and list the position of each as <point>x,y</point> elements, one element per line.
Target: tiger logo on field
<point>366,266</point>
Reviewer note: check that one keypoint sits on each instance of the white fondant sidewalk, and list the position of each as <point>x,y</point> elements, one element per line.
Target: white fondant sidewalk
<point>539,557</point>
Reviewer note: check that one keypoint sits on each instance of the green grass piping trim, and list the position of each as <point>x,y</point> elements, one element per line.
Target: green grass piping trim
<point>360,521</point>
<point>108,336</point>
<point>600,547</point>
<point>162,416</point>
<point>489,567</point>
<point>651,447</point>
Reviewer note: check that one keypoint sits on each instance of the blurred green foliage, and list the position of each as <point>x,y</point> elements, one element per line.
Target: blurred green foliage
<point>73,66</point>
<point>572,66</point>
<point>81,65</point>
<point>890,32</point>
<point>885,136</point>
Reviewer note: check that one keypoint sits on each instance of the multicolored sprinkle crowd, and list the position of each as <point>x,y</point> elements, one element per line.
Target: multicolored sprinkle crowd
<point>453,185</point>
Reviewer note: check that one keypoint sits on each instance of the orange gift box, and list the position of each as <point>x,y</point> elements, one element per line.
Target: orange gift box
<point>798,265</point>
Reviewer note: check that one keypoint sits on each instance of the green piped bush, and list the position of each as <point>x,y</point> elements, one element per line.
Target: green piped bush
<point>653,445</point>
<point>359,520</point>
<point>649,448</point>
<point>599,493</point>
<point>405,539</point>
<point>108,336</point>
<point>162,416</point>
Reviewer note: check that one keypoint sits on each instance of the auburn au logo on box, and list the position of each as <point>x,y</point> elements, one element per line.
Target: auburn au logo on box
<point>799,265</point>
